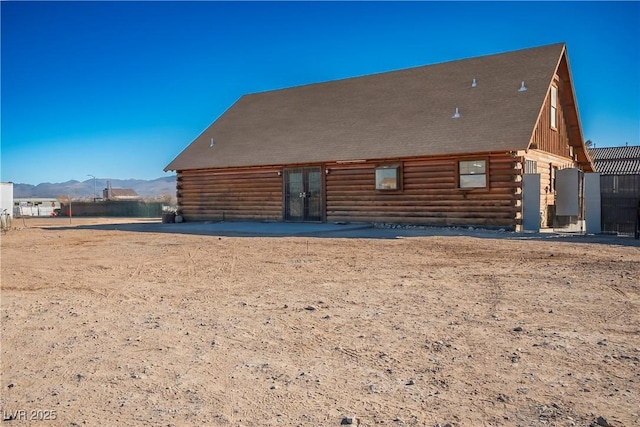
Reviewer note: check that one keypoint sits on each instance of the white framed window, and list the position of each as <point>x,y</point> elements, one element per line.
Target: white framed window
<point>530,166</point>
<point>554,107</point>
<point>388,177</point>
<point>472,174</point>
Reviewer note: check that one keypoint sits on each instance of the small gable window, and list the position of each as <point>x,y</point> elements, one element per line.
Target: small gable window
<point>388,177</point>
<point>554,107</point>
<point>472,174</point>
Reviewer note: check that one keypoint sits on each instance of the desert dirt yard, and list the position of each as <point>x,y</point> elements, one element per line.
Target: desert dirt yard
<point>107,327</point>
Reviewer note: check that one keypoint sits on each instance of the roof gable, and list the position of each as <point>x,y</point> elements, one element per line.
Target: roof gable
<point>395,114</point>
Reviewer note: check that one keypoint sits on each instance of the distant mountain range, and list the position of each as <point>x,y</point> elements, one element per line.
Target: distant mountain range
<point>84,189</point>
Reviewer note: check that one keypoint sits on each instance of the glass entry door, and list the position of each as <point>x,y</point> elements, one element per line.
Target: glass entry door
<point>303,194</point>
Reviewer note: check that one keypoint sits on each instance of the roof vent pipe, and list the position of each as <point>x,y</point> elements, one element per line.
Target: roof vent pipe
<point>456,115</point>
<point>474,83</point>
<point>522,88</point>
<point>211,143</point>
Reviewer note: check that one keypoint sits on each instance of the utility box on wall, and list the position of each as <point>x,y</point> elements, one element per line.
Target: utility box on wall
<point>568,191</point>
<point>569,200</point>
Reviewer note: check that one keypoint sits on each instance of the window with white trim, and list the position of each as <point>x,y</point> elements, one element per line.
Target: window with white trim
<point>530,166</point>
<point>554,107</point>
<point>472,174</point>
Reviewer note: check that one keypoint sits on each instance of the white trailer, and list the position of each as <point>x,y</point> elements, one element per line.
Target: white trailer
<point>35,206</point>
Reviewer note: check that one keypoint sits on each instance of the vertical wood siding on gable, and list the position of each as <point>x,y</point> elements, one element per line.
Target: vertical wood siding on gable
<point>567,132</point>
<point>547,139</point>
<point>230,194</point>
<point>429,194</point>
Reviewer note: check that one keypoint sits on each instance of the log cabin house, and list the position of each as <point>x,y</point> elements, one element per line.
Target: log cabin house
<point>443,144</point>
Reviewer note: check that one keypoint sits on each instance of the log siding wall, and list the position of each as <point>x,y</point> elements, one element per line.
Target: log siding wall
<point>230,194</point>
<point>429,193</point>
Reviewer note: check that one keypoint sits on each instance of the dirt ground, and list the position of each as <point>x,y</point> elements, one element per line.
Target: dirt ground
<point>105,327</point>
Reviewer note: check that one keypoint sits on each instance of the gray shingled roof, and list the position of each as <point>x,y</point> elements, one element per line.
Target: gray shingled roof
<point>616,160</point>
<point>389,115</point>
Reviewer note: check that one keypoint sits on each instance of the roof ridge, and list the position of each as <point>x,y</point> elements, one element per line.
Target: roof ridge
<point>413,67</point>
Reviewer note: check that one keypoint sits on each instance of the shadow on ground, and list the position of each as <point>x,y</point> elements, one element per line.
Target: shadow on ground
<point>346,230</point>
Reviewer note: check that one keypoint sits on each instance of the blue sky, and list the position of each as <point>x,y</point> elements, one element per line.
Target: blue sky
<point>118,89</point>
